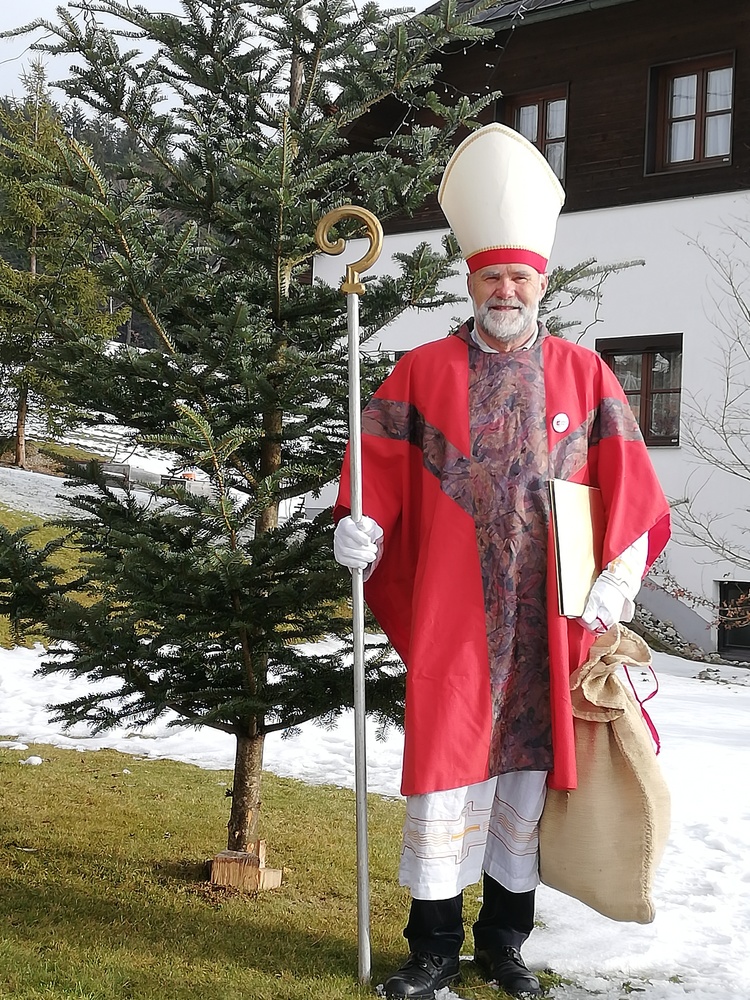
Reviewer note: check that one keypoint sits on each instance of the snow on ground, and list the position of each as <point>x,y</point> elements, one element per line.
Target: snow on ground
<point>316,755</point>
<point>43,495</point>
<point>37,493</point>
<point>33,492</point>
<point>117,444</point>
<point>698,948</point>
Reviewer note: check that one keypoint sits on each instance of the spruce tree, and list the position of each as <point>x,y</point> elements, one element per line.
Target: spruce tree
<point>207,605</point>
<point>45,268</point>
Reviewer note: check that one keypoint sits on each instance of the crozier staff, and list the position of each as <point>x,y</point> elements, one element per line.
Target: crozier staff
<point>458,446</point>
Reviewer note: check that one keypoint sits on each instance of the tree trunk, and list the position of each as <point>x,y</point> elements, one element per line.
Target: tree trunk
<point>270,463</point>
<point>296,79</point>
<point>243,819</point>
<point>23,396</point>
<point>21,413</point>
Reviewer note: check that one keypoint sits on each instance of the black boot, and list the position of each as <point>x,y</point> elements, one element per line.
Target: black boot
<point>505,966</point>
<point>505,921</point>
<point>420,975</point>
<point>435,933</point>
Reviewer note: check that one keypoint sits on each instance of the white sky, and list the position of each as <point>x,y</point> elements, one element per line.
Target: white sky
<point>15,53</point>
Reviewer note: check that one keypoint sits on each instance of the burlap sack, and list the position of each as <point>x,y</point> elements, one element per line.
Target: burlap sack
<point>603,841</point>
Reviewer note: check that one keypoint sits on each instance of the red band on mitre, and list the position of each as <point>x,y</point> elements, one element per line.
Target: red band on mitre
<point>506,255</point>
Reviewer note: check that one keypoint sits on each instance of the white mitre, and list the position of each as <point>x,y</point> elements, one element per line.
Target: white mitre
<point>501,199</point>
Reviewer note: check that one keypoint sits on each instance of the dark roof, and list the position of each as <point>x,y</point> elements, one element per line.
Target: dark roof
<point>508,12</point>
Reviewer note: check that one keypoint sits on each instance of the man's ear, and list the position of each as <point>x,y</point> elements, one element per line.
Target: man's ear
<point>543,282</point>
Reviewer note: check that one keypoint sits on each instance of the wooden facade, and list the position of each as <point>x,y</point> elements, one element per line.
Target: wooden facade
<point>608,59</point>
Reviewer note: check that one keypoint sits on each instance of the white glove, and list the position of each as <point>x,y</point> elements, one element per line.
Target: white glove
<point>357,544</point>
<point>612,597</point>
<point>605,604</point>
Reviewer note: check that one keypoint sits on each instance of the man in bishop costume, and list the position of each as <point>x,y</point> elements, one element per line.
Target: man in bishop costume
<point>459,444</point>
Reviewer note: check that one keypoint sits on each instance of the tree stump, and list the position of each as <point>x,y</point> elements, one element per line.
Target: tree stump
<point>245,870</point>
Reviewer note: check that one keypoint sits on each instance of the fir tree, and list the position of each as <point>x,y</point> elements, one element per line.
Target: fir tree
<point>205,604</point>
<point>49,293</point>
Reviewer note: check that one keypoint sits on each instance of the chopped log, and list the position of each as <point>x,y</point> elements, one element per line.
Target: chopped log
<point>245,870</point>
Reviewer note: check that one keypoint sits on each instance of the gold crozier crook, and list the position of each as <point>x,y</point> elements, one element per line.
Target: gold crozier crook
<point>352,285</point>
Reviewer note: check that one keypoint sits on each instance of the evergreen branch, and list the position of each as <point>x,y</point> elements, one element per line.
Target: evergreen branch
<point>201,426</point>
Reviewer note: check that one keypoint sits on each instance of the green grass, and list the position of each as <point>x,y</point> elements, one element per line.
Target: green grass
<point>46,456</point>
<point>49,456</point>
<point>65,452</point>
<point>105,893</point>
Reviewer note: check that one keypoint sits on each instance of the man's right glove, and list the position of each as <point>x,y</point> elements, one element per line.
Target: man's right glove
<point>357,545</point>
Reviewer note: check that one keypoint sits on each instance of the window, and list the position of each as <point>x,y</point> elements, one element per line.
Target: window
<point>734,616</point>
<point>650,371</point>
<point>542,117</point>
<point>692,117</point>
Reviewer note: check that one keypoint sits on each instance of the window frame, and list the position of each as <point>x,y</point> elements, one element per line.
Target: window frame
<point>542,97</point>
<point>727,632</point>
<point>647,347</point>
<point>660,117</point>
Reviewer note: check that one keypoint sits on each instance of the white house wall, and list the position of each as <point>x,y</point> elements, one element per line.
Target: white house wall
<point>676,291</point>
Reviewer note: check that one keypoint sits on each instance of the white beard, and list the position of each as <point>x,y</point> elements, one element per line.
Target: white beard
<point>506,327</point>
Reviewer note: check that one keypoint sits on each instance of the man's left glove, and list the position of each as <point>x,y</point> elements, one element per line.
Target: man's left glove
<point>612,597</point>
<point>606,604</point>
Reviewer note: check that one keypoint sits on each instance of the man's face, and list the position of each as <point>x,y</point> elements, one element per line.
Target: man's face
<point>506,302</point>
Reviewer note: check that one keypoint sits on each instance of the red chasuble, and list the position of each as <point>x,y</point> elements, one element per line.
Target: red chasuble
<point>457,449</point>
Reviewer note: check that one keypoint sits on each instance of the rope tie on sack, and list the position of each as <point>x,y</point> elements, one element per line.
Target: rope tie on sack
<point>642,703</point>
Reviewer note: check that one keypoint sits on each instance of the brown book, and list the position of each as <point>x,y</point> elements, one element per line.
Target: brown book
<point>578,531</point>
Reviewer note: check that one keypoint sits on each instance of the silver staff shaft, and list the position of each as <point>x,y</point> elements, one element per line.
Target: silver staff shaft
<point>353,289</point>
<point>358,639</point>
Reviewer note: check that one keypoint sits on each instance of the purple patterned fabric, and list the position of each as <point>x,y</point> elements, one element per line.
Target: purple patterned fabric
<point>509,472</point>
<point>403,422</point>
